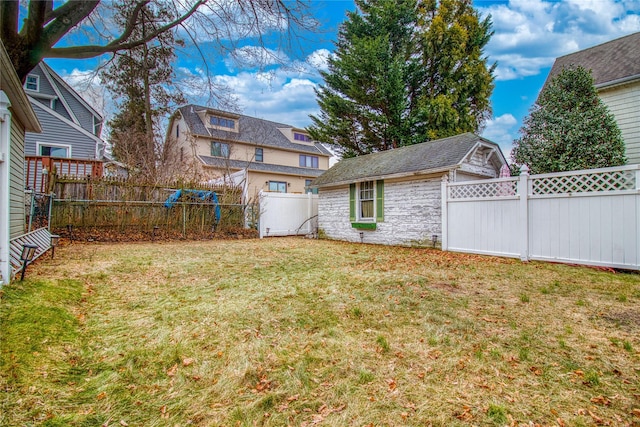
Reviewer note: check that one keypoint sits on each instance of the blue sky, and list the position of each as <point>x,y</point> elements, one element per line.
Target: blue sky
<point>529,35</point>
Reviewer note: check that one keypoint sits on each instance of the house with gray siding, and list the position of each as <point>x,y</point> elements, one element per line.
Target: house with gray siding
<point>71,127</point>
<point>394,197</point>
<point>16,117</point>
<point>615,67</point>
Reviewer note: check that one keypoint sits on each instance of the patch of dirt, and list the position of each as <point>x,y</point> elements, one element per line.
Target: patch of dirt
<point>628,319</point>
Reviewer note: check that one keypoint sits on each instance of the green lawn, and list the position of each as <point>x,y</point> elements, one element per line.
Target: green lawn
<point>300,332</point>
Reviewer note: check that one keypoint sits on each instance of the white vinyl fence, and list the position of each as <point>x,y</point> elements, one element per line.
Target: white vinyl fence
<point>283,214</point>
<point>581,217</point>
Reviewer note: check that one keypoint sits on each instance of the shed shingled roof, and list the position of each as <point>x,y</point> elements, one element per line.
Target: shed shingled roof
<point>609,62</point>
<point>436,155</point>
<point>250,130</point>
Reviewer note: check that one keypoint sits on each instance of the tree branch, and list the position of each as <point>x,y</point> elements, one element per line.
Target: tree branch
<point>89,51</point>
<point>67,18</point>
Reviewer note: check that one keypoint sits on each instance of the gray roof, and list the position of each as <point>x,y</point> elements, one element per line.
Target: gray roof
<point>432,156</point>
<point>250,130</point>
<point>220,162</point>
<point>609,62</point>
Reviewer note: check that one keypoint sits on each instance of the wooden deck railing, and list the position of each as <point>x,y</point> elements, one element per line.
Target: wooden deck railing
<point>39,168</point>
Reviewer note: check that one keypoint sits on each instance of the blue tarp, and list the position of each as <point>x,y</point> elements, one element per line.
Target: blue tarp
<point>195,194</point>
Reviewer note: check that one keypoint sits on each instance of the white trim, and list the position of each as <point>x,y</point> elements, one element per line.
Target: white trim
<point>66,121</point>
<point>72,91</point>
<point>50,144</point>
<point>359,217</point>
<point>62,99</point>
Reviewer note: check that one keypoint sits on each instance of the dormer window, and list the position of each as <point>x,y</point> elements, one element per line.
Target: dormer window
<point>222,122</point>
<point>301,137</point>
<point>32,83</point>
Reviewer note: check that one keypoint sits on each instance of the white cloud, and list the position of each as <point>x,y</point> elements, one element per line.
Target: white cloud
<point>502,130</point>
<point>319,59</point>
<point>530,34</point>
<point>284,93</point>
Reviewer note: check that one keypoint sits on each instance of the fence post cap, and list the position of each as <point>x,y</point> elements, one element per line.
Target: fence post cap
<point>524,170</point>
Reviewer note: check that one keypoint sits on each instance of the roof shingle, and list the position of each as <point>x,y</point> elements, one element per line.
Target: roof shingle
<point>609,62</point>
<point>250,130</point>
<point>427,156</point>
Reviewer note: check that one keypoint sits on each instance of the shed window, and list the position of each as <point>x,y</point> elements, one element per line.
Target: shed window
<point>366,202</point>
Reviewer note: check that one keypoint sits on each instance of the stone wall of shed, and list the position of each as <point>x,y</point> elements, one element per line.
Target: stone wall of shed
<point>412,214</point>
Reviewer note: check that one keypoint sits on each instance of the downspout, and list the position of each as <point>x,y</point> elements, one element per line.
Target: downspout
<point>5,163</point>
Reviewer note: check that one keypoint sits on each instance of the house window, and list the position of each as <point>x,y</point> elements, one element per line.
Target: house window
<point>54,150</point>
<point>177,131</point>
<point>222,122</point>
<point>259,155</point>
<point>366,204</point>
<point>97,126</point>
<point>308,161</point>
<point>219,149</point>
<point>307,187</point>
<point>301,137</point>
<point>277,186</point>
<point>32,82</point>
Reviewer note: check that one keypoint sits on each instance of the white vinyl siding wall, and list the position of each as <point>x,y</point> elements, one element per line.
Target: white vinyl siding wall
<point>624,103</point>
<point>56,132</point>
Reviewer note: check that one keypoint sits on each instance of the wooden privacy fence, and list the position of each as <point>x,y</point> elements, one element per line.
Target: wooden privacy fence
<point>283,214</point>
<point>183,218</point>
<point>107,207</point>
<point>582,217</point>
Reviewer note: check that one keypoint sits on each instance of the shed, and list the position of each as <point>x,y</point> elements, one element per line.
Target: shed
<point>394,197</point>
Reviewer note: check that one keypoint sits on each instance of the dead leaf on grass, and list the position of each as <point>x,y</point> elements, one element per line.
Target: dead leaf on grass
<point>535,370</point>
<point>601,400</point>
<point>596,418</point>
<point>187,361</point>
<point>101,395</point>
<point>172,370</point>
<point>392,384</point>
<point>465,414</point>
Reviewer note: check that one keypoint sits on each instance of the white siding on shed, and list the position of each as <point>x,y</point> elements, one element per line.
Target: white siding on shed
<point>412,212</point>
<point>624,103</point>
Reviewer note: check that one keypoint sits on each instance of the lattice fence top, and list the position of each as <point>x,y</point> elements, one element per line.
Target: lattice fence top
<point>585,183</point>
<point>481,190</point>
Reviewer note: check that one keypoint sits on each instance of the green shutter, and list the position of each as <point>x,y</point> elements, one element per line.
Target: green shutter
<point>380,200</point>
<point>352,202</point>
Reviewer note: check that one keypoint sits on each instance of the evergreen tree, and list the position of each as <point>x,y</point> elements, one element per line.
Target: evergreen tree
<point>404,72</point>
<point>569,128</point>
<point>140,80</point>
